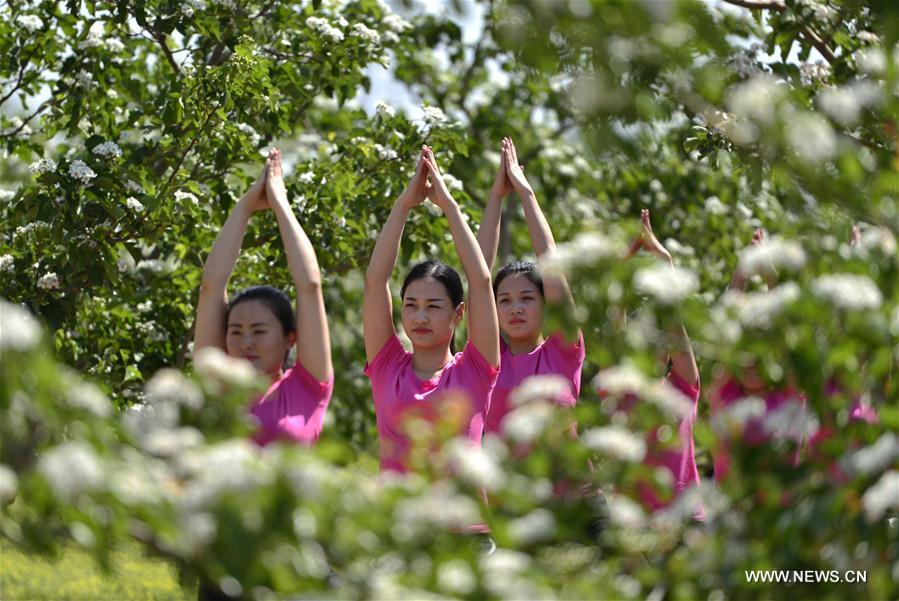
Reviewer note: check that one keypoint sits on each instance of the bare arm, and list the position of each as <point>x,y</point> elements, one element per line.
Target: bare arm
<point>377,306</point>
<point>483,330</point>
<point>488,231</point>
<point>313,337</point>
<point>210,328</point>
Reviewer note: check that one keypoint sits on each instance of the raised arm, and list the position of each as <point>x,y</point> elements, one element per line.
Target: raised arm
<point>377,306</point>
<point>739,279</point>
<point>555,287</point>
<point>680,350</point>
<point>210,327</point>
<point>483,325</point>
<point>313,338</point>
<point>488,231</point>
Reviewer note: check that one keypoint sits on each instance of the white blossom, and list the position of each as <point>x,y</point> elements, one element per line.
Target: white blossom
<point>114,45</point>
<point>26,229</point>
<point>549,387</point>
<point>385,109</point>
<point>94,37</point>
<point>475,465</point>
<point>848,291</point>
<point>845,104</point>
<point>790,421</point>
<point>213,363</point>
<point>85,395</point>
<point>9,485</point>
<point>760,309</point>
<point>181,195</point>
<point>42,166</point>
<point>882,496</point>
<point>438,507</point>
<point>714,206</point>
<point>872,61</point>
<point>385,153</point>
<point>452,182</point>
<point>134,204</point>
<point>30,23</point>
<point>874,458</point>
<point>771,255</point>
<point>79,170</point>
<point>133,187</point>
<point>625,512</point>
<point>234,466</point>
<point>538,525</point>
<point>171,386</point>
<point>7,263</point>
<point>255,138</point>
<point>623,380</point>
<point>306,178</point>
<point>455,577</point>
<point>48,281</point>
<point>811,136</point>
<point>108,150</point>
<point>756,98</point>
<point>162,442</point>
<point>434,115</point>
<point>527,422</point>
<point>586,248</point>
<point>366,33</point>
<point>811,73</point>
<point>867,37</point>
<point>732,421</point>
<point>6,195</point>
<point>615,441</point>
<point>19,331</point>
<point>72,468</point>
<point>667,285</point>
<point>396,23</point>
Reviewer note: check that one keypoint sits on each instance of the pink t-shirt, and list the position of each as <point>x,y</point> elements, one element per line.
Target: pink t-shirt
<point>293,408</point>
<point>680,462</point>
<point>552,356</point>
<point>398,393</point>
<point>754,431</point>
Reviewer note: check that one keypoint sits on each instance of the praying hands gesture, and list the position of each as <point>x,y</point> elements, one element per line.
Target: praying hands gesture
<point>647,240</point>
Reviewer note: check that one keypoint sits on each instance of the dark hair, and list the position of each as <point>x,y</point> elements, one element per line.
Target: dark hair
<point>443,273</point>
<point>271,297</point>
<point>529,270</point>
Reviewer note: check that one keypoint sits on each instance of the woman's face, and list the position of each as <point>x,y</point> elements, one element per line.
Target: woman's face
<point>255,334</point>
<point>429,317</point>
<point>519,308</point>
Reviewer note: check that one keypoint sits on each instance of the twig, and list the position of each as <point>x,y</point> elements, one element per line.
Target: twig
<point>40,108</point>
<point>160,39</point>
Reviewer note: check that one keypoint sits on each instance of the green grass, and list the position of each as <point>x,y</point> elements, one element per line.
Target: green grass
<point>75,575</point>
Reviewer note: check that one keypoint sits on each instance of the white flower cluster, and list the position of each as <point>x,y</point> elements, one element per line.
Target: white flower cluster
<point>9,485</point>
<point>731,422</point>
<point>666,285</point>
<point>7,263</point>
<point>214,364</point>
<point>439,507</point>
<point>181,195</point>
<point>80,170</point>
<point>549,387</point>
<point>756,98</point>
<point>48,281</point>
<point>811,73</point>
<point>396,23</point>
<point>811,137</point>
<point>527,422</point>
<point>456,578</point>
<point>536,526</point>
<point>42,166</point>
<point>171,386</point>
<point>89,397</point>
<point>623,380</point>
<point>760,309</point>
<point>108,150</point>
<point>473,464</point>
<point>767,257</point>
<point>366,33</point>
<point>744,61</point>
<point>625,512</point>
<point>434,115</point>
<point>584,249</point>
<point>452,182</point>
<point>188,7</point>
<point>791,421</point>
<point>307,177</point>
<point>71,469</point>
<point>94,38</point>
<point>327,30</point>
<point>19,331</point>
<point>234,466</point>
<point>882,496</point>
<point>133,187</point>
<point>615,441</point>
<point>115,46</point>
<point>251,133</point>
<point>384,109</point>
<point>873,458</point>
<point>871,60</point>
<point>504,574</point>
<point>714,206</point>
<point>848,291</point>
<point>134,204</point>
<point>24,230</point>
<point>844,104</point>
<point>385,153</point>
<point>30,23</point>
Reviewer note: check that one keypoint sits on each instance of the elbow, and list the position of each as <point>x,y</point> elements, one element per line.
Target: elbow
<point>373,279</point>
<point>313,285</point>
<point>481,281</point>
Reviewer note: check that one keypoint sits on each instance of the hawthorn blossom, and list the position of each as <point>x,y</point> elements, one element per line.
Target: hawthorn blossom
<point>19,330</point>
<point>31,23</point>
<point>114,45</point>
<point>134,204</point>
<point>9,485</point>
<point>108,150</point>
<point>434,115</point>
<point>384,109</point>
<point>366,33</point>
<point>585,249</point>
<point>306,178</point>
<point>882,496</point>
<point>48,281</point>
<point>396,23</point>
<point>42,166</point>
<point>6,263</point>
<point>848,291</point>
<point>668,286</point>
<point>615,441</point>
<point>255,138</point>
<point>71,469</point>
<point>181,195</point>
<point>80,170</point>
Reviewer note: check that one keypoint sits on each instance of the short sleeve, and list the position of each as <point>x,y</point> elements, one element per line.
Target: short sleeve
<point>473,359</point>
<point>390,354</point>
<point>309,384</point>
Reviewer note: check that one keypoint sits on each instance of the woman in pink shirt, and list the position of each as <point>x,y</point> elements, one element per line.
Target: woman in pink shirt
<point>683,375</point>
<point>409,384</point>
<point>520,294</point>
<point>259,324</point>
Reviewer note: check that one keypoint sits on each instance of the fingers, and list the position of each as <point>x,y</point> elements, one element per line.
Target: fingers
<point>644,218</point>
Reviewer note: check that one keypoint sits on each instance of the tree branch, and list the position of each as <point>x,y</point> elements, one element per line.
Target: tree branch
<point>160,39</point>
<point>777,5</point>
<point>47,103</point>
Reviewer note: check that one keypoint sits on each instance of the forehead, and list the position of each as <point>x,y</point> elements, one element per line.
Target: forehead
<point>426,288</point>
<point>517,283</point>
<point>249,312</point>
